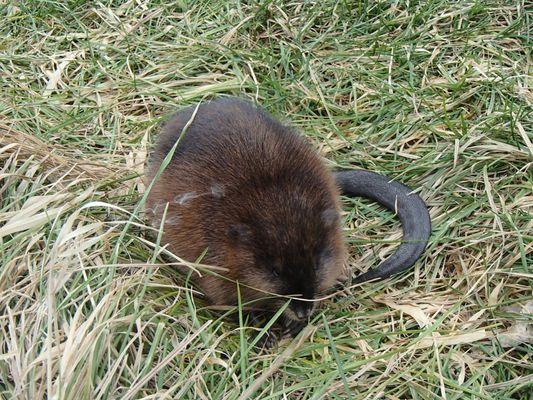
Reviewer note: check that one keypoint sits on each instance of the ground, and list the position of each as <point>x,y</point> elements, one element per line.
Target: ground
<point>434,93</point>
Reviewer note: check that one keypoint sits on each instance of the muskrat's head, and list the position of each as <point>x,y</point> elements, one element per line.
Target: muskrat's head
<point>292,251</point>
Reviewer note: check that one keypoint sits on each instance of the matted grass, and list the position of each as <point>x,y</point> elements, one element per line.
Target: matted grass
<point>433,93</point>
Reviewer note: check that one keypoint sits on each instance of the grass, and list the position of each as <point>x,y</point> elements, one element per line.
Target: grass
<point>434,93</point>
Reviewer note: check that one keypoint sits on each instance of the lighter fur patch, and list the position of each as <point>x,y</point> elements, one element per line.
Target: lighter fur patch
<point>185,198</point>
<point>217,190</point>
<point>173,220</point>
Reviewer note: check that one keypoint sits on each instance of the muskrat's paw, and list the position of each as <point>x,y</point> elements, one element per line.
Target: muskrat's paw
<point>293,328</point>
<point>268,341</point>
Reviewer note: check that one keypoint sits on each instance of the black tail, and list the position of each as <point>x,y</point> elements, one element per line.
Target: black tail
<point>398,198</point>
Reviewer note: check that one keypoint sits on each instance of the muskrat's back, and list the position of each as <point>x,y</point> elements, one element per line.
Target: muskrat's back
<point>254,194</point>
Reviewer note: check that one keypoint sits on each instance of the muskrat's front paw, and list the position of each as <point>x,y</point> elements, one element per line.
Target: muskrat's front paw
<point>293,328</point>
<point>268,341</point>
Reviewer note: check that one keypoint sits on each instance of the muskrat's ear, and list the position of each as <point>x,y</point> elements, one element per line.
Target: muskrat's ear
<point>238,233</point>
<point>330,217</point>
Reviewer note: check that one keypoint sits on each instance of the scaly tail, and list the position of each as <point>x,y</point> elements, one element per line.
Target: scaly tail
<point>399,199</point>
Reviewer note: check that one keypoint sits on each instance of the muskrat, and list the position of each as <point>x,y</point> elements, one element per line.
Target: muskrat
<point>251,195</point>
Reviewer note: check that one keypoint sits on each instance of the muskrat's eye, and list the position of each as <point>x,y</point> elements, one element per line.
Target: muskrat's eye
<point>274,272</point>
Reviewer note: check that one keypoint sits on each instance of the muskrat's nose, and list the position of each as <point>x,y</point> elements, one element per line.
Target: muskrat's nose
<point>303,309</point>
<point>301,314</point>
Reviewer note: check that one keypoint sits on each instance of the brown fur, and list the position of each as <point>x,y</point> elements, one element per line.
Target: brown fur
<point>255,195</point>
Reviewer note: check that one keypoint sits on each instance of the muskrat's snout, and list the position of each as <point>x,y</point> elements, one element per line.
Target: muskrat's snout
<point>300,310</point>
